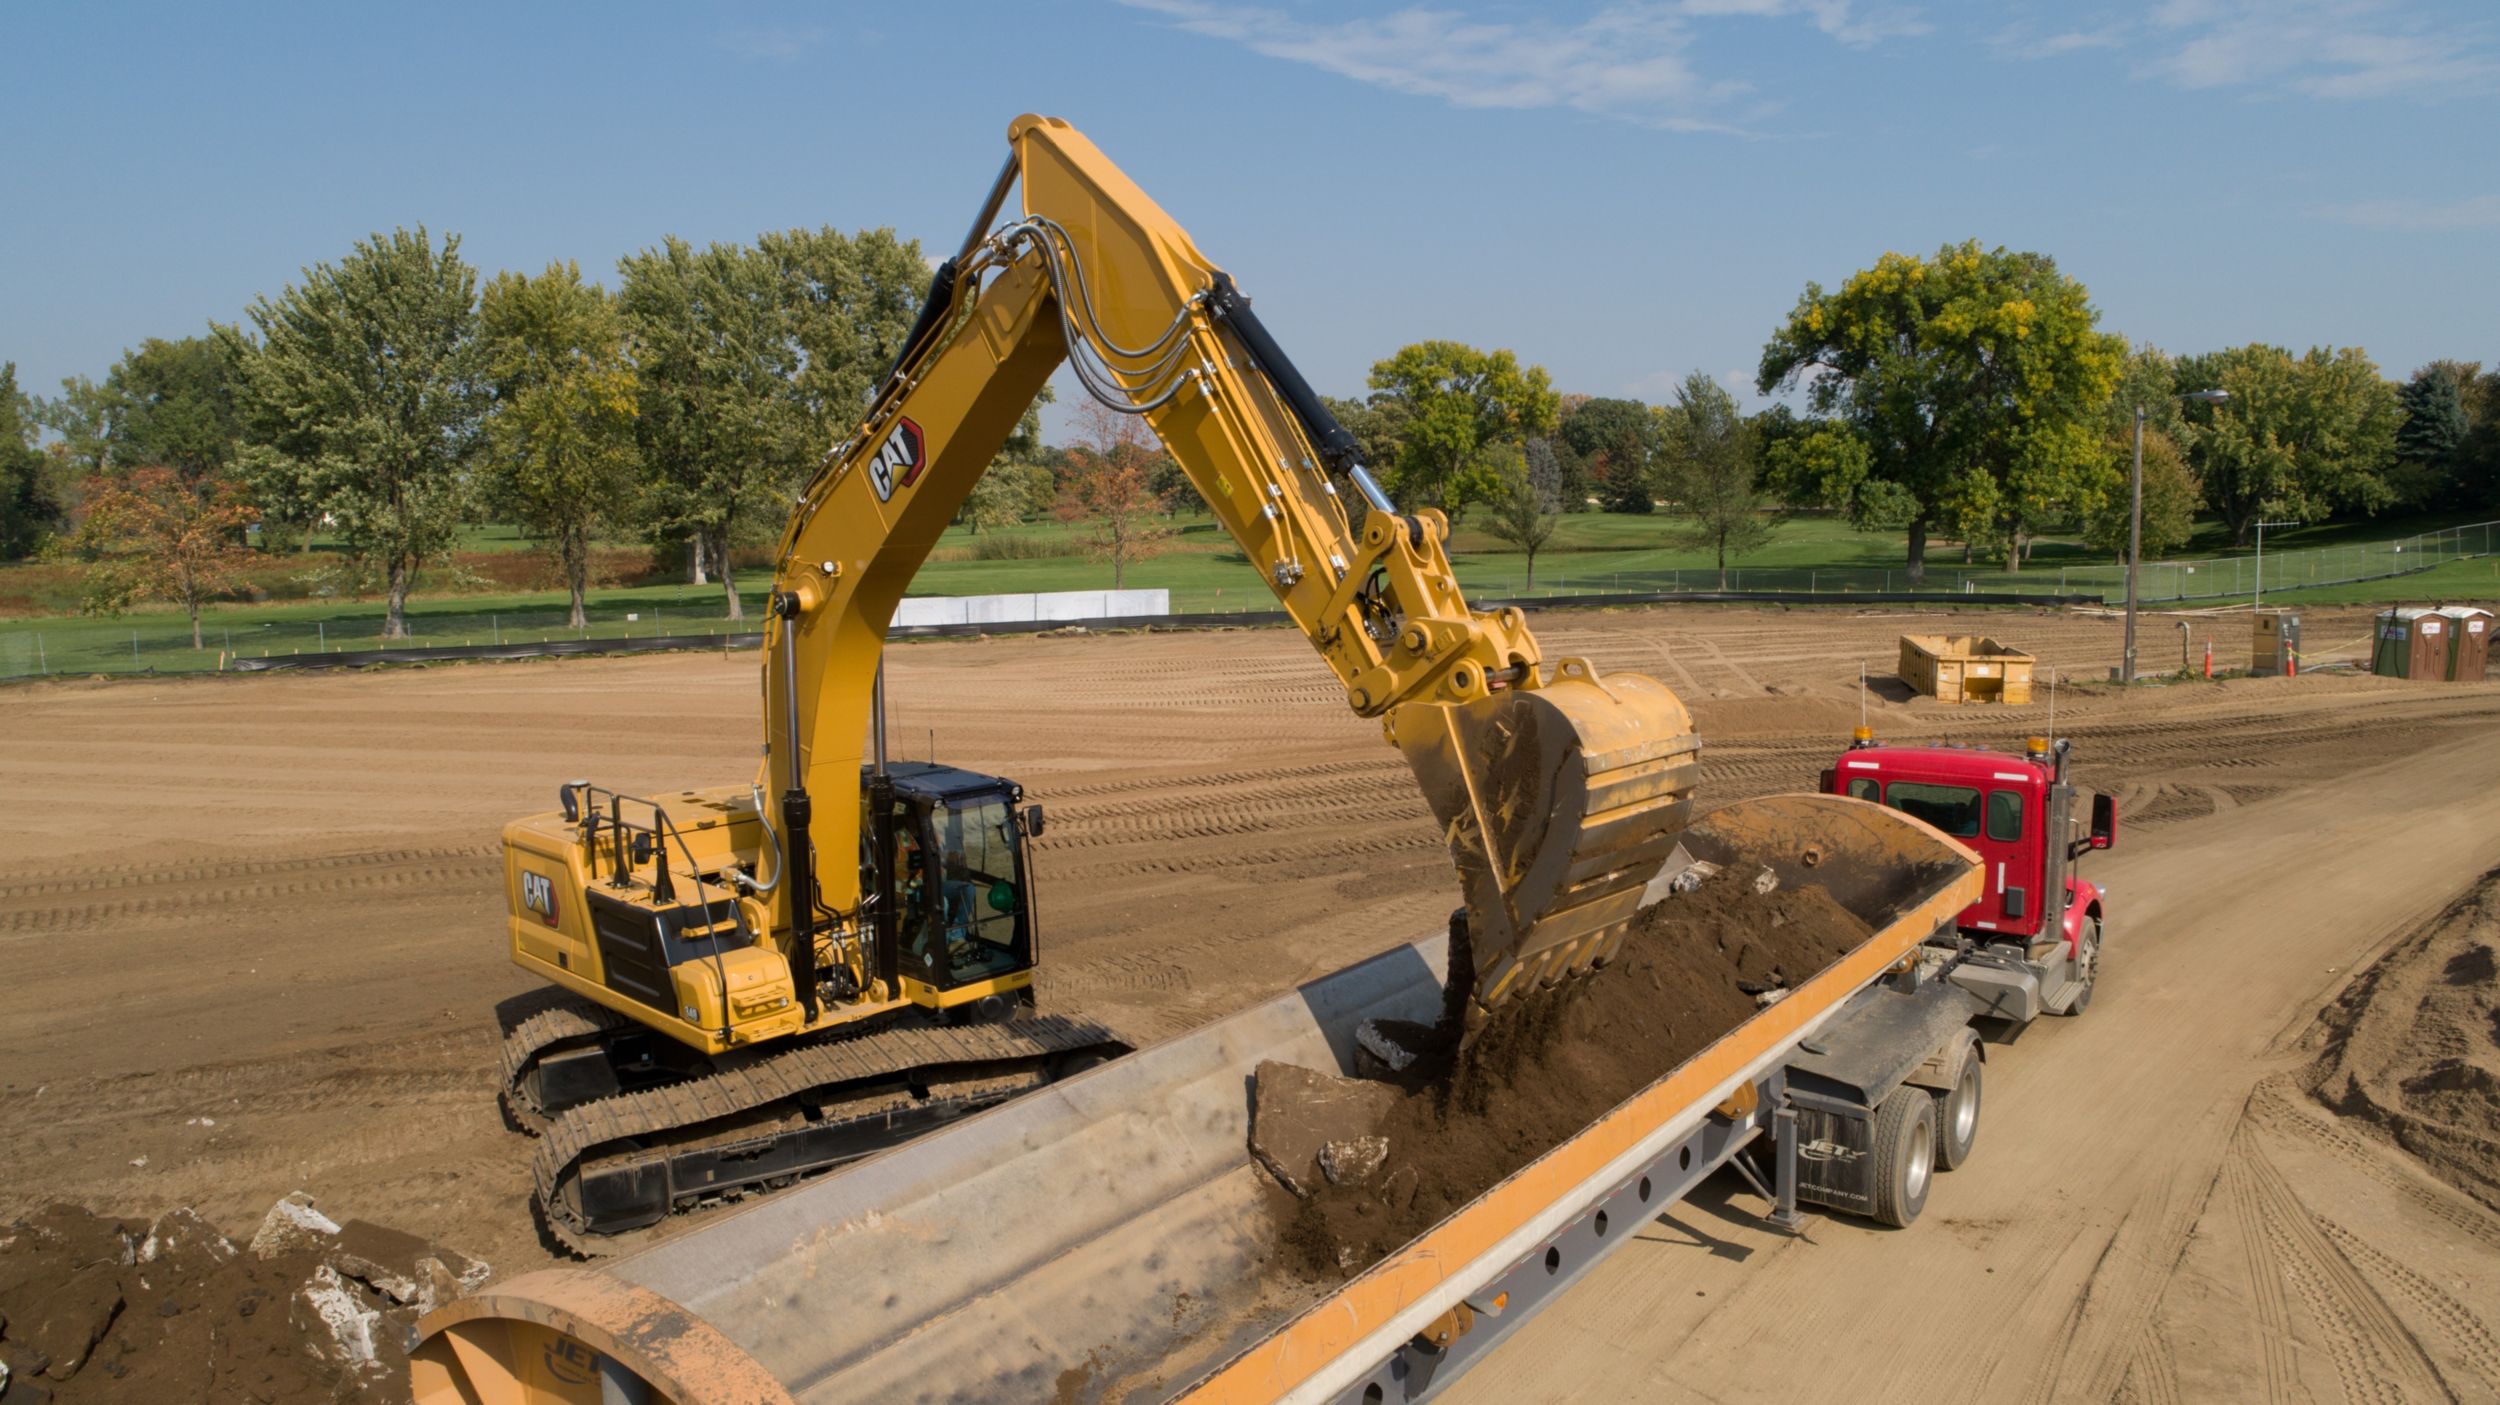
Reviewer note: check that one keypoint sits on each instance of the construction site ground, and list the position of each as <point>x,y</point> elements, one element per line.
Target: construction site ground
<point>254,934</point>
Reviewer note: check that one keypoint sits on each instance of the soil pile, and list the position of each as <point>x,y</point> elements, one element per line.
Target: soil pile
<point>2413,1045</point>
<point>1692,968</point>
<point>100,1309</point>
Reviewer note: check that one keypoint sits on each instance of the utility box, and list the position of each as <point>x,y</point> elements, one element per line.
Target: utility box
<point>2274,647</point>
<point>2412,643</point>
<point>1960,668</point>
<point>2469,642</point>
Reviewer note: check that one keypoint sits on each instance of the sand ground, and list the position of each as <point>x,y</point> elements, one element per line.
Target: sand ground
<point>273,902</point>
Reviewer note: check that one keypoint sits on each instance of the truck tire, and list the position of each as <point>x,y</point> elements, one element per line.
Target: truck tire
<point>2088,960</point>
<point>1904,1153</point>
<point>1957,1109</point>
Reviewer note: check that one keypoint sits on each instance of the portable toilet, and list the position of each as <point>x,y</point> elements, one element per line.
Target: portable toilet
<point>2469,642</point>
<point>2412,643</point>
<point>2274,648</point>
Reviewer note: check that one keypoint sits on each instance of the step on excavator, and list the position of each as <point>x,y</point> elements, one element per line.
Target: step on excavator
<point>754,984</point>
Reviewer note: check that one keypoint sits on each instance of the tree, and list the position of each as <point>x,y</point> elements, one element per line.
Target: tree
<point>82,416</point>
<point>850,300</point>
<point>2300,437</point>
<point>1973,382</point>
<point>363,395</point>
<point>29,508</point>
<point>1457,401</point>
<point>1617,443</point>
<point>720,428</point>
<point>1109,489</point>
<point>1524,508</point>
<point>563,460</point>
<point>171,404</point>
<point>1016,486</point>
<point>1712,471</point>
<point>2171,496</point>
<point>155,534</point>
<point>2431,441</point>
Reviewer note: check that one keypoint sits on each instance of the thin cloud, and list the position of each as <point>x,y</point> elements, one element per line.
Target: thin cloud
<point>773,44</point>
<point>1629,61</point>
<point>2024,44</point>
<point>2319,48</point>
<point>2418,216</point>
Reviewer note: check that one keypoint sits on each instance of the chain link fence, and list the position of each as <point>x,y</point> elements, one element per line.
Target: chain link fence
<point>161,642</point>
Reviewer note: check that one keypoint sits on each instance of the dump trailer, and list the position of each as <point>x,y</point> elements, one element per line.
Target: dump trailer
<point>1109,1236</point>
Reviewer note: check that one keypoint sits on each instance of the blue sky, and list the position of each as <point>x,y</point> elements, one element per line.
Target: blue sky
<point>1621,192</point>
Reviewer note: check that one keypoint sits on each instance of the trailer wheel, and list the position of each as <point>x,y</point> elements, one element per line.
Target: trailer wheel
<point>1957,1110</point>
<point>1904,1154</point>
<point>2087,967</point>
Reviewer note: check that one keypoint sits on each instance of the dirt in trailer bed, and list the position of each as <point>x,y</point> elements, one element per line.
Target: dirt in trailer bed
<point>1387,1162</point>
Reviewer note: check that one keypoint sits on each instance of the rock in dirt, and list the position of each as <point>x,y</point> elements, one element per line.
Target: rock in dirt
<point>1378,1053</point>
<point>96,1309</point>
<point>1296,1112</point>
<point>293,1226</point>
<point>1542,1069</point>
<point>1353,1161</point>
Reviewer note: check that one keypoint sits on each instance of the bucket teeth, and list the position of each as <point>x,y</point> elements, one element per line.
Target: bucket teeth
<point>1558,804</point>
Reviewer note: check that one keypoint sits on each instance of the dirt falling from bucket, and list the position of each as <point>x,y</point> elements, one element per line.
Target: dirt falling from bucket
<point>1544,1069</point>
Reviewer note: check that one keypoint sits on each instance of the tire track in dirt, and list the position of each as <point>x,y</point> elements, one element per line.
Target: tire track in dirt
<point>2271,1106</point>
<point>190,901</point>
<point>2376,1358</point>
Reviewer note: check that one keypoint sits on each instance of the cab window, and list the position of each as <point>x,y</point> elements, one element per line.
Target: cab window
<point>979,894</point>
<point>1863,787</point>
<point>2005,815</point>
<point>1951,808</point>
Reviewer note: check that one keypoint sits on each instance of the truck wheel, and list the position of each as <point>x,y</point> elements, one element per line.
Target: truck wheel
<point>1957,1112</point>
<point>2087,967</point>
<point>1904,1154</point>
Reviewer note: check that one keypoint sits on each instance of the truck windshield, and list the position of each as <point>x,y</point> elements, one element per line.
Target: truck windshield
<point>1951,808</point>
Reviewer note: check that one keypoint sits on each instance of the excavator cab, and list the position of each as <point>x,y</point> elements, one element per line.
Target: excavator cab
<point>955,891</point>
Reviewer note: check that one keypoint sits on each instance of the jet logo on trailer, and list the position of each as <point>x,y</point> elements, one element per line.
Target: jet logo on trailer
<point>538,894</point>
<point>898,461</point>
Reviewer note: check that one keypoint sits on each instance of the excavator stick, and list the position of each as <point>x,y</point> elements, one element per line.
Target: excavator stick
<point>1558,804</point>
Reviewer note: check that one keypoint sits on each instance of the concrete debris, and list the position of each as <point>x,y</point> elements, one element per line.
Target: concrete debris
<point>180,1234</point>
<point>1353,1161</point>
<point>293,1225</point>
<point>1296,1112</point>
<point>1764,882</point>
<point>334,1320</point>
<point>403,1268</point>
<point>1376,1054</point>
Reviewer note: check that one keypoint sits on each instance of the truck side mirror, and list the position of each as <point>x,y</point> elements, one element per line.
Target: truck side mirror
<point>1831,781</point>
<point>2104,821</point>
<point>1032,821</point>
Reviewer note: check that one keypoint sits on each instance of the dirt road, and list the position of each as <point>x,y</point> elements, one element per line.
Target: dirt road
<point>273,901</point>
<point>2050,1267</point>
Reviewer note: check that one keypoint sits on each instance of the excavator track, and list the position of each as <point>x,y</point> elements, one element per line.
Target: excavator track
<point>564,1021</point>
<point>608,1171</point>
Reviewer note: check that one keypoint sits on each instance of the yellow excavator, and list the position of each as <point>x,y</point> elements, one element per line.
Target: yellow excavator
<point>756,983</point>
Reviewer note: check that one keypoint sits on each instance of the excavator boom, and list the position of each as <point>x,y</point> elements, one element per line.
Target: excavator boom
<point>1559,790</point>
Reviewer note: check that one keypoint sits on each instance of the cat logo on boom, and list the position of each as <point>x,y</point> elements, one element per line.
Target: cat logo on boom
<point>538,894</point>
<point>897,462</point>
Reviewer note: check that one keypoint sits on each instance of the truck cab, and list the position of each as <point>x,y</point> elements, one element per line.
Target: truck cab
<point>2035,931</point>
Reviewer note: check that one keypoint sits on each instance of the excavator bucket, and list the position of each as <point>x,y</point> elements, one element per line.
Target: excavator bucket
<point>1558,803</point>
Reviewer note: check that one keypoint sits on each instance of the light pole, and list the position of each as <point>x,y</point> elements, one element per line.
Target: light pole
<point>2259,602</point>
<point>2135,524</point>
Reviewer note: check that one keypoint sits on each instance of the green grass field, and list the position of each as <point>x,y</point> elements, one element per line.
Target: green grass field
<point>1206,573</point>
